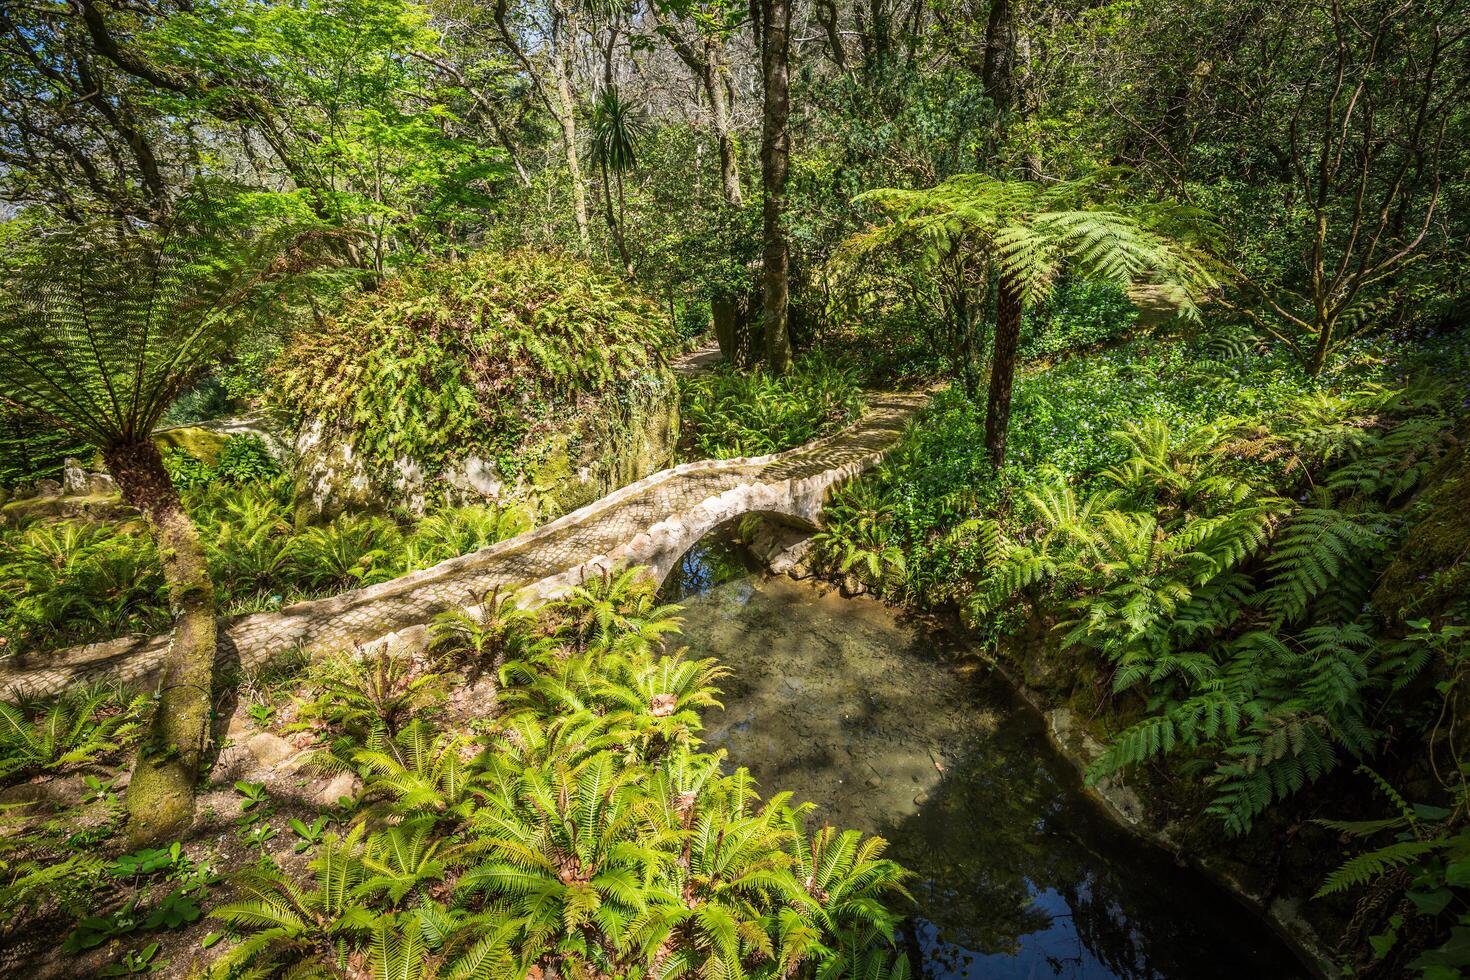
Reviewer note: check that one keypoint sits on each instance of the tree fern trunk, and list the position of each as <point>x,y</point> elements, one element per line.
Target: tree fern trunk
<point>161,794</point>
<point>1002,369</point>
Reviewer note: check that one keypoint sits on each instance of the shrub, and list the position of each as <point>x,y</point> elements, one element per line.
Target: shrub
<point>465,358</point>
<point>729,412</point>
<point>245,459</point>
<point>73,582</point>
<point>242,459</point>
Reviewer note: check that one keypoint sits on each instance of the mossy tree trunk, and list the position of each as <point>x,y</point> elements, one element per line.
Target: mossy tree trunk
<point>161,795</point>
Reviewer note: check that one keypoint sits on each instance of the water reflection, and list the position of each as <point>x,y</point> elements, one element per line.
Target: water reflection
<point>888,729</point>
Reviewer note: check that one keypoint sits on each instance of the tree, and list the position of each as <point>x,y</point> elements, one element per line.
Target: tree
<point>543,41</point>
<point>774,33</point>
<point>99,332</point>
<point>1017,237</point>
<point>1329,136</point>
<point>615,151</point>
<point>1364,142</point>
<point>705,54</point>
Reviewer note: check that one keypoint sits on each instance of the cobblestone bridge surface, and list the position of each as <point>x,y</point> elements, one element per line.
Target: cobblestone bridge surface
<point>651,522</point>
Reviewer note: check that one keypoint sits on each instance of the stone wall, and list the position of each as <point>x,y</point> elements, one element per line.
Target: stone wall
<point>605,444</point>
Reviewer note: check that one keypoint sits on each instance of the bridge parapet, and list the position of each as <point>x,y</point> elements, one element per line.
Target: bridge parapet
<point>652,522</point>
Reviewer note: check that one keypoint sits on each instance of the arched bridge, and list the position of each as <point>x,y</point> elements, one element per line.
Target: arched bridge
<point>651,522</point>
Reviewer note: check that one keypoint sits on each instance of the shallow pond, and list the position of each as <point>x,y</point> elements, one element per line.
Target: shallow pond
<point>889,729</point>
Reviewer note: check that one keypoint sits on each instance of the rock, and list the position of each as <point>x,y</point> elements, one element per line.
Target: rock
<point>874,782</point>
<point>793,558</point>
<point>269,749</point>
<point>48,488</point>
<point>476,475</point>
<point>101,484</point>
<point>45,793</point>
<point>234,762</point>
<point>340,785</point>
<point>1074,741</point>
<point>73,478</point>
<point>240,725</point>
<point>852,586</point>
<point>921,798</point>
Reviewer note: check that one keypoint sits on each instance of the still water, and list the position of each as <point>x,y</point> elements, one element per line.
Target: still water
<point>889,728</point>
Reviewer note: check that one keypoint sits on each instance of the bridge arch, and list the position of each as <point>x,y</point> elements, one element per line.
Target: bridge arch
<point>764,535</point>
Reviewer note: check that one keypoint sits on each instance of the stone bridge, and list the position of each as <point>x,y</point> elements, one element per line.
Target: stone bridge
<point>652,522</point>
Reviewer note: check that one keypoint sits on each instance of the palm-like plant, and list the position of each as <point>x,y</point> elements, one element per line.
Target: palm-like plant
<point>351,551</point>
<point>295,931</point>
<point>401,859</point>
<point>616,612</point>
<point>615,134</point>
<point>454,531</point>
<point>658,703</point>
<point>71,730</point>
<point>371,697</point>
<point>423,776</point>
<point>490,633</point>
<point>732,868</point>
<point>569,850</point>
<point>100,331</point>
<point>848,882</point>
<point>1019,236</point>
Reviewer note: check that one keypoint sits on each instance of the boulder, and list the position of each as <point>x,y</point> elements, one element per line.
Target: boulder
<point>73,478</point>
<point>48,488</point>
<point>340,785</point>
<point>268,749</point>
<point>100,484</point>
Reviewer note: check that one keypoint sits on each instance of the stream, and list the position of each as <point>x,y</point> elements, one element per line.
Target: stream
<point>891,729</point>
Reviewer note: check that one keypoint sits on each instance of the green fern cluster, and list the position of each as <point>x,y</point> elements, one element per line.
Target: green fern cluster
<point>468,356</point>
<point>729,412</point>
<point>857,536</point>
<point>70,581</point>
<point>75,729</point>
<point>1225,578</point>
<point>583,833</point>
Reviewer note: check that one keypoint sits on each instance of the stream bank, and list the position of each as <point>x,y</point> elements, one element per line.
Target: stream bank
<point>895,728</point>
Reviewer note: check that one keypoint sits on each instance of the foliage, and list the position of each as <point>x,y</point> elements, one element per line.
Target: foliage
<point>583,831</point>
<point>857,536</point>
<point>728,412</point>
<point>973,240</point>
<point>464,358</point>
<point>74,729</point>
<point>74,581</point>
<point>99,334</point>
<point>1274,672</point>
<point>31,450</point>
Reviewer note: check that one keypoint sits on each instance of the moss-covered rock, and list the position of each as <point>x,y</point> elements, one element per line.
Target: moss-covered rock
<point>520,376</point>
<point>1432,568</point>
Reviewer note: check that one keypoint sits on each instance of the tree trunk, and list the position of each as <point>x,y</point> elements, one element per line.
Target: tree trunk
<point>1321,348</point>
<point>775,158</point>
<point>614,224</point>
<point>717,88</point>
<point>1002,369</point>
<point>161,795</point>
<point>566,116</point>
